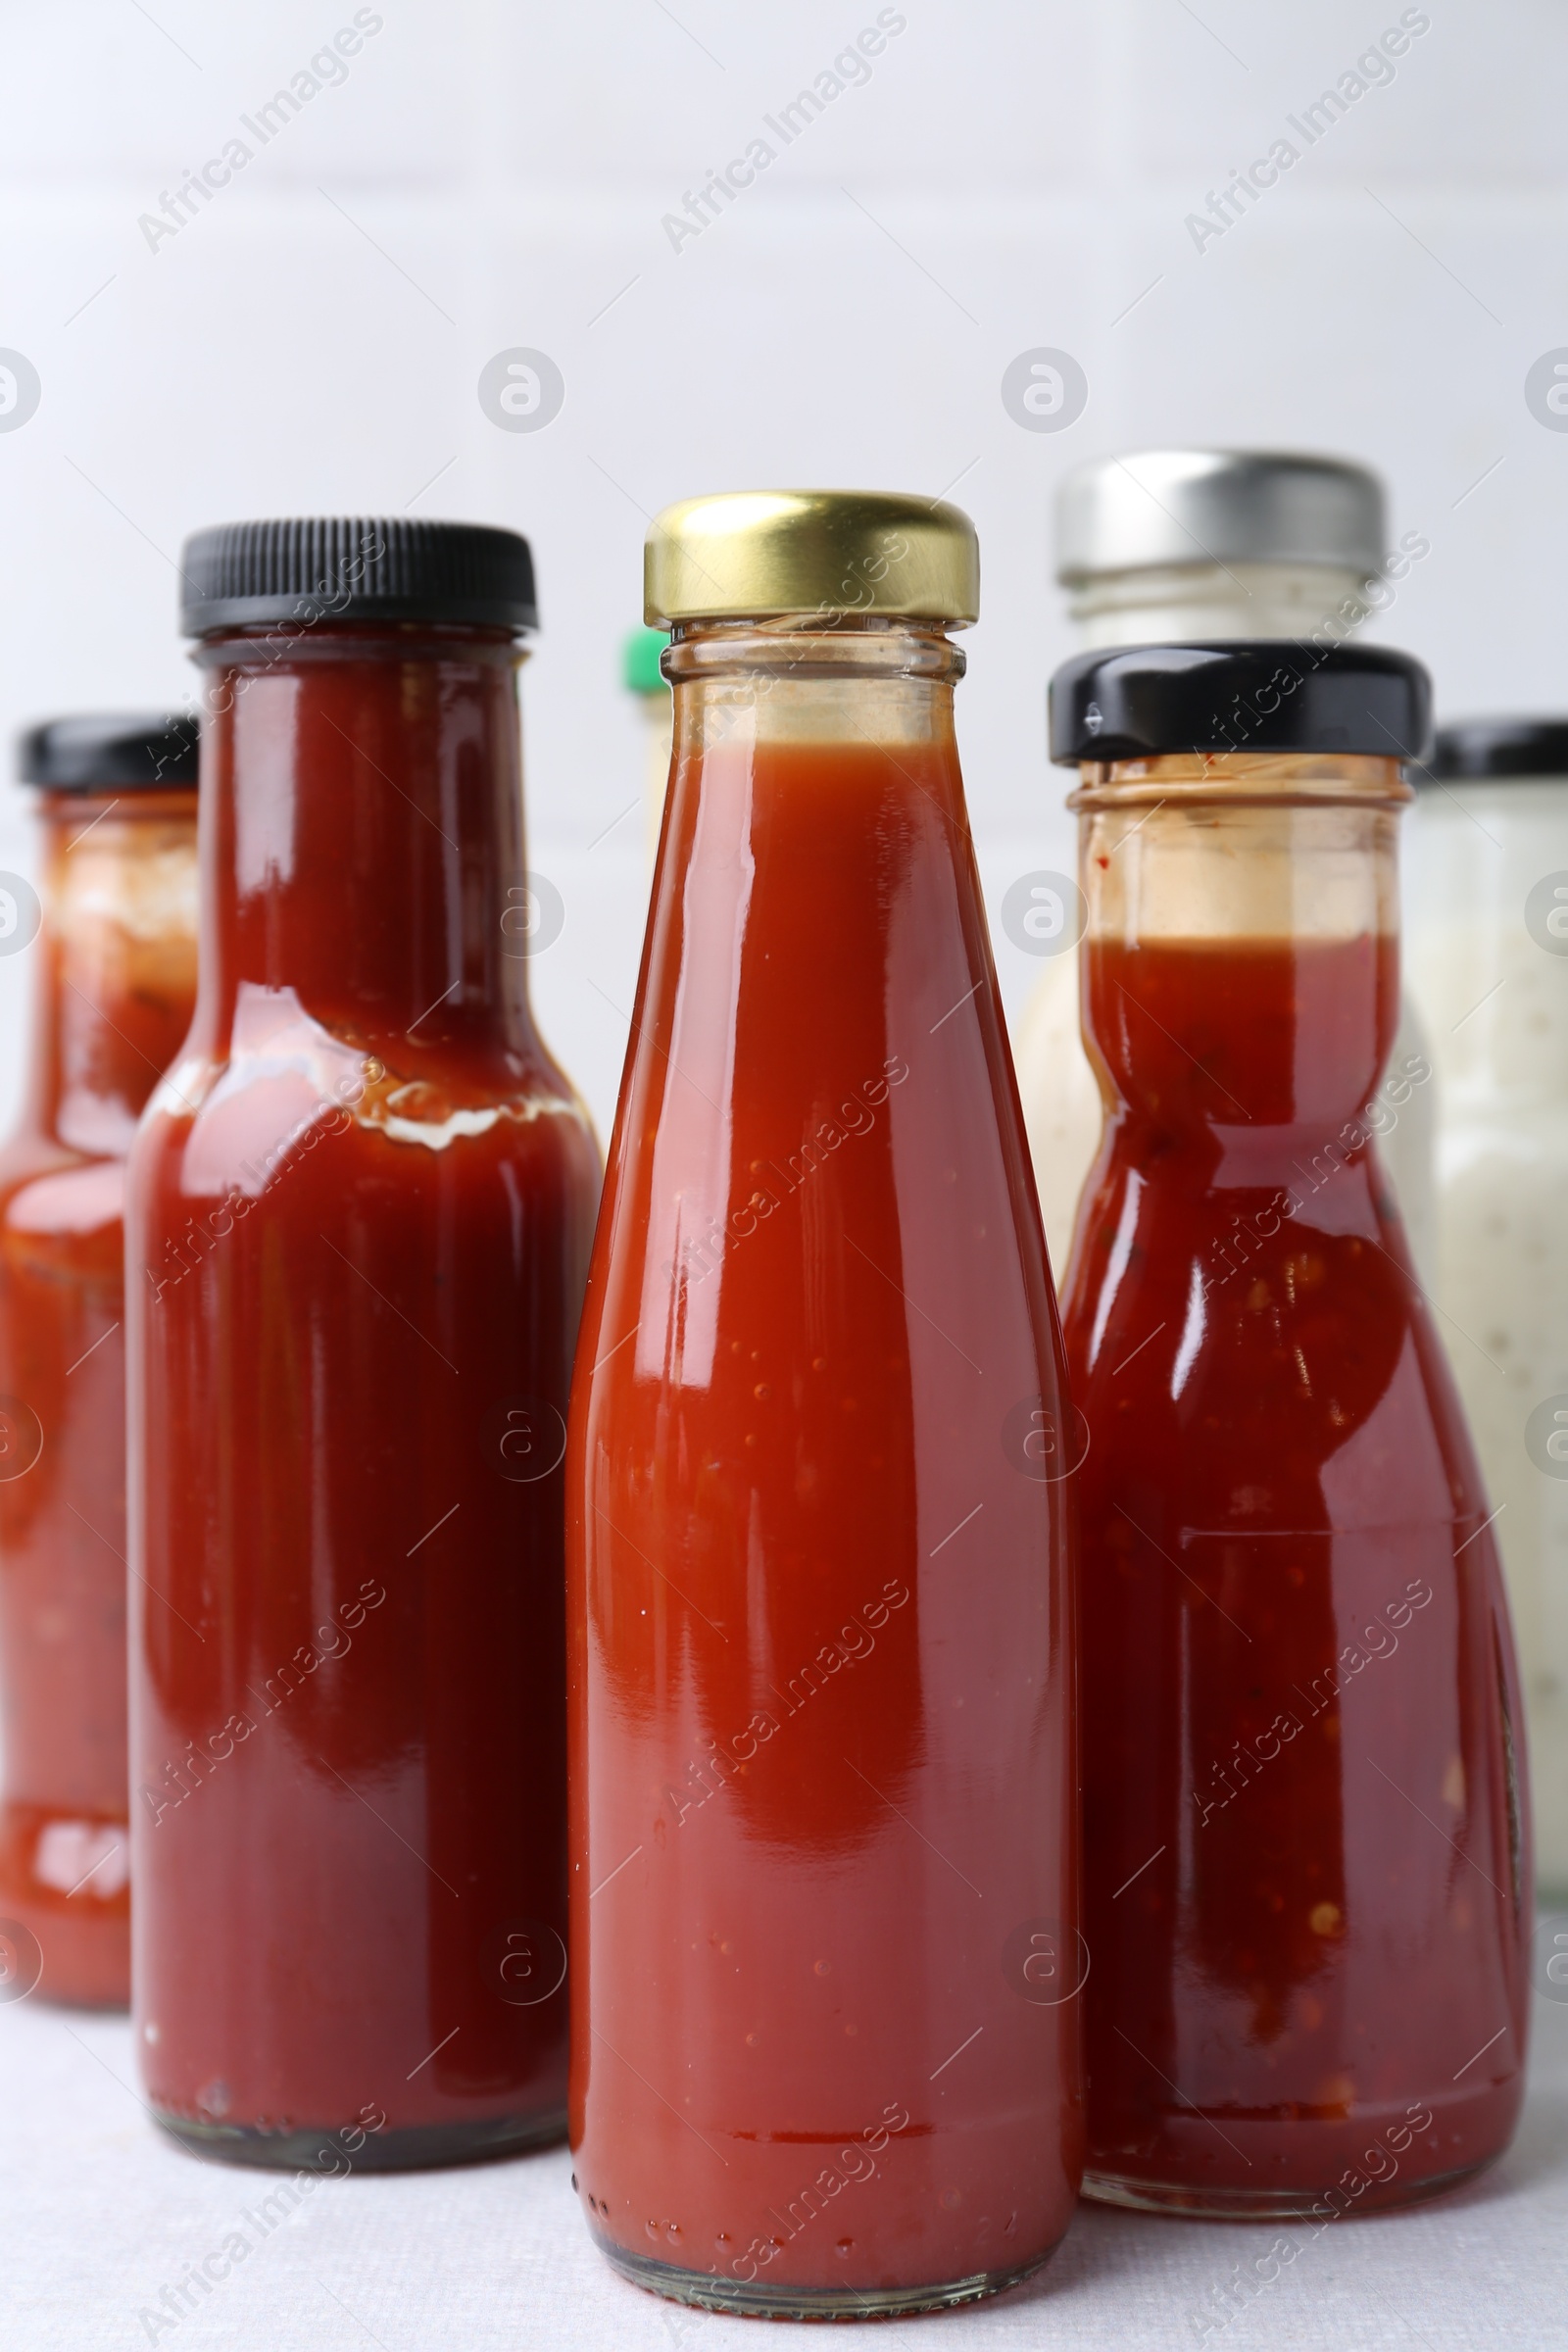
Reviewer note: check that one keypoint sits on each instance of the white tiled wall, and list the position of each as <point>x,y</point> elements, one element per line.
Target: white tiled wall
<point>1013,174</point>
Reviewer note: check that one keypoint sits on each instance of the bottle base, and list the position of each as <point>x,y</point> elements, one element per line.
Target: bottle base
<point>403,2148</point>
<point>1261,2204</point>
<point>754,2300</point>
<point>65,1908</point>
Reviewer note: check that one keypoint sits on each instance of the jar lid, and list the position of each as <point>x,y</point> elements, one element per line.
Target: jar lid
<point>640,657</point>
<point>361,567</point>
<point>753,554</point>
<point>1253,695</point>
<point>142,751</point>
<point>1157,507</point>
<point>1499,747</point>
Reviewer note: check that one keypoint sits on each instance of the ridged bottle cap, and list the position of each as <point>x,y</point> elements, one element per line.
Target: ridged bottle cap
<point>758,554</point>
<point>1159,507</point>
<point>362,567</point>
<point>1142,702</point>
<point>112,752</point>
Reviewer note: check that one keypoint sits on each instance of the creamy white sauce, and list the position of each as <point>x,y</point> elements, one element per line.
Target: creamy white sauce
<point>1497,1005</point>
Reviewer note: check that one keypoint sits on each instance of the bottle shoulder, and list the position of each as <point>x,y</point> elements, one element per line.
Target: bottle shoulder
<point>236,1123</point>
<point>27,1151</point>
<point>52,1193</point>
<point>1274,1353</point>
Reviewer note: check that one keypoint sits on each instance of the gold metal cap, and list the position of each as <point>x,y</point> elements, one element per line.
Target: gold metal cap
<point>746,554</point>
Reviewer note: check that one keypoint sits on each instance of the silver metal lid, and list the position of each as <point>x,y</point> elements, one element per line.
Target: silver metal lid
<point>1158,507</point>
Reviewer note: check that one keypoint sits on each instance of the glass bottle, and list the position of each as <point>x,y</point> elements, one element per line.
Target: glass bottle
<point>1305,1818</point>
<point>359,1216</point>
<point>825,1950</point>
<point>114,944</point>
<point>1488,965</point>
<point>1170,546</point>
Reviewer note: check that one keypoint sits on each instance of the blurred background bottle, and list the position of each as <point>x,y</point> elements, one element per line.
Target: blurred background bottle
<point>1172,546</point>
<point>1488,963</point>
<point>113,980</point>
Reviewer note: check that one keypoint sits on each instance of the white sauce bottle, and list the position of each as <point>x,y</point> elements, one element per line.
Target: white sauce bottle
<point>1197,544</point>
<point>1487,954</point>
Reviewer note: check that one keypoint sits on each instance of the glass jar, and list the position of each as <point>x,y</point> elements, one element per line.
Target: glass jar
<point>1172,546</point>
<point>1488,965</point>
<point>826,1953</point>
<point>359,1216</point>
<point>1306,1825</point>
<point>114,945</point>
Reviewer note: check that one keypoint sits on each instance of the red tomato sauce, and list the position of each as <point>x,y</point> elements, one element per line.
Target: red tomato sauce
<point>1304,1823</point>
<point>359,1219</point>
<point>113,980</point>
<point>822,1691</point>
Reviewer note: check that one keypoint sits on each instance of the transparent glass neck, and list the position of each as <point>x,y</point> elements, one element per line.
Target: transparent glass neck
<point>1166,604</point>
<point>811,678</point>
<point>1241,846</point>
<point>1240,952</point>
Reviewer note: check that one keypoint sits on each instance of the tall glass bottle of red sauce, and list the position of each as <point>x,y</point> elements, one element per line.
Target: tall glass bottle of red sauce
<point>358,1226</point>
<point>112,934</point>
<point>826,1953</point>
<point>1305,1820</point>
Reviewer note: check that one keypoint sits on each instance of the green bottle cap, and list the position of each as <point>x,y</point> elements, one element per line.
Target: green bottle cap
<point>639,662</point>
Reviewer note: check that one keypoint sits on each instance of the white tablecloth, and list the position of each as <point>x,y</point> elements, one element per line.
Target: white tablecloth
<point>98,2213</point>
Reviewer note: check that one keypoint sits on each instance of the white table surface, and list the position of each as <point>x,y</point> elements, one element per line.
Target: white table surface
<point>98,2213</point>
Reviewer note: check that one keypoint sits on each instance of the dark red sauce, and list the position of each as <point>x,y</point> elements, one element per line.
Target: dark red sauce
<point>359,1219</point>
<point>1303,1822</point>
<point>822,1704</point>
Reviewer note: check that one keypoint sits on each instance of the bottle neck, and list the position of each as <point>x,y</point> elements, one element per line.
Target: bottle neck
<point>1171,604</point>
<point>816,941</point>
<point>825,680</point>
<point>1240,948</point>
<point>363,838</point>
<point>115,973</point>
